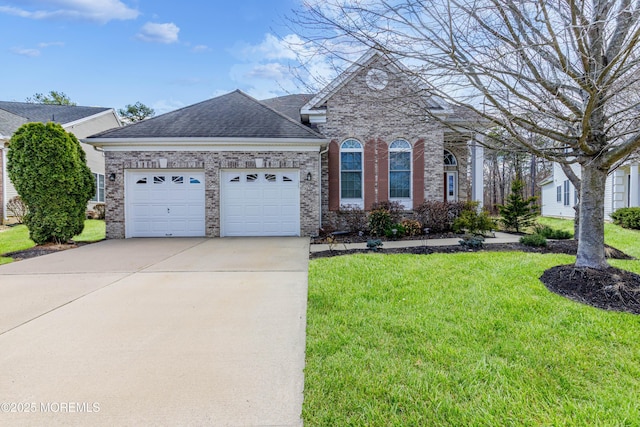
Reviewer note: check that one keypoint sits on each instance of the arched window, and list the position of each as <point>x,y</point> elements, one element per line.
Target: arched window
<point>400,171</point>
<point>351,173</point>
<point>449,159</point>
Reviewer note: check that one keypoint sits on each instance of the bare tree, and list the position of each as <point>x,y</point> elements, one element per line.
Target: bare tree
<point>564,71</point>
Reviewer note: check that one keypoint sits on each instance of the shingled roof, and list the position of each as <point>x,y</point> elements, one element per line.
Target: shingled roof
<point>289,105</point>
<point>234,115</point>
<point>25,112</point>
<point>50,113</point>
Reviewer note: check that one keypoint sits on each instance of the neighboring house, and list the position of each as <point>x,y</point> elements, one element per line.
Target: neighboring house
<point>235,166</point>
<point>81,121</point>
<point>622,190</point>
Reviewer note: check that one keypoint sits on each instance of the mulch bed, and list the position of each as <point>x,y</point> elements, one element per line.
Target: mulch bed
<point>40,250</point>
<point>610,289</point>
<point>569,247</point>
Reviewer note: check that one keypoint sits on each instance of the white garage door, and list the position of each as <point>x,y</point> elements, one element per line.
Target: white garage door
<point>260,203</point>
<point>166,203</point>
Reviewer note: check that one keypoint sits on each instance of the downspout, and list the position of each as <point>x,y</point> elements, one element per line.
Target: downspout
<point>320,184</point>
<point>3,151</point>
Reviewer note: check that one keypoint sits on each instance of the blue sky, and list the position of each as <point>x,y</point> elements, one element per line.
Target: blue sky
<point>163,53</point>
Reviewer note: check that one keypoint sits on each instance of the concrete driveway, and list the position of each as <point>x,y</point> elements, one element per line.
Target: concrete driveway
<point>183,331</point>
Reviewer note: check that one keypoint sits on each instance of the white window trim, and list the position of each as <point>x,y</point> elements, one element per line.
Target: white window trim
<point>96,196</point>
<point>453,156</point>
<point>357,202</point>
<point>406,203</point>
<point>455,186</point>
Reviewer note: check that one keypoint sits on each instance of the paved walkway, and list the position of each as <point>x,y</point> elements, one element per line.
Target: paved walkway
<point>203,332</point>
<point>499,238</point>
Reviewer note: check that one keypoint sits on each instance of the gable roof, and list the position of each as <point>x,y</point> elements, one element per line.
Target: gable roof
<point>316,105</point>
<point>235,115</point>
<point>50,113</point>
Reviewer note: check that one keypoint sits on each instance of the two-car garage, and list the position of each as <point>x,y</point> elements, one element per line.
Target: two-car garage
<point>227,166</point>
<point>172,203</point>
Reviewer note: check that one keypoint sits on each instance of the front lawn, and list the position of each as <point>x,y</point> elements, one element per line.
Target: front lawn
<point>620,238</point>
<point>464,339</point>
<point>17,238</point>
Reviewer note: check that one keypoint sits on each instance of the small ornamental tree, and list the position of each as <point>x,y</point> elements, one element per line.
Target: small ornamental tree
<point>49,170</point>
<point>518,212</point>
<point>136,112</point>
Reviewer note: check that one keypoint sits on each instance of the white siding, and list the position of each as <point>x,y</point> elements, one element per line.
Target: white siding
<point>550,204</point>
<point>91,126</point>
<point>616,192</point>
<point>81,129</point>
<point>608,197</point>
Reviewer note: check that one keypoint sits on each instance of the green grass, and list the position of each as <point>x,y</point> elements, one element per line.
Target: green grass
<point>17,238</point>
<point>467,339</point>
<point>94,230</point>
<point>626,240</point>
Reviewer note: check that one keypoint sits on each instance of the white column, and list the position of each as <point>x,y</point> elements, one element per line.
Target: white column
<point>477,170</point>
<point>633,186</point>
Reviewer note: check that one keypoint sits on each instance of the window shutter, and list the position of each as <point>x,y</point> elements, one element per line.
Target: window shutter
<point>383,171</point>
<point>418,173</point>
<point>369,174</point>
<point>334,176</point>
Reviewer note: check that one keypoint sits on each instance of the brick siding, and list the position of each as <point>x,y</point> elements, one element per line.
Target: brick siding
<point>211,162</point>
<point>376,118</point>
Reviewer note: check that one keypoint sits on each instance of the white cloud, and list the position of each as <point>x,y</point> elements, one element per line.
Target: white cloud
<point>270,48</point>
<point>265,80</point>
<point>166,105</point>
<point>201,48</point>
<point>272,70</point>
<point>49,44</point>
<point>276,66</point>
<point>159,33</point>
<point>101,11</point>
<point>31,53</point>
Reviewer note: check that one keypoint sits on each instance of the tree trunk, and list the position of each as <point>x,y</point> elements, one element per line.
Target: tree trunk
<point>576,221</point>
<point>591,224</point>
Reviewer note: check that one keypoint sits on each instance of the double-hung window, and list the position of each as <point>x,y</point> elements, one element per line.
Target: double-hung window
<point>400,172</point>
<point>567,200</point>
<point>351,173</point>
<point>98,197</point>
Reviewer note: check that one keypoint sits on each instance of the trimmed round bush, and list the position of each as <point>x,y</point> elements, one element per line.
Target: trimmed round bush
<point>535,240</point>
<point>552,233</point>
<point>627,218</point>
